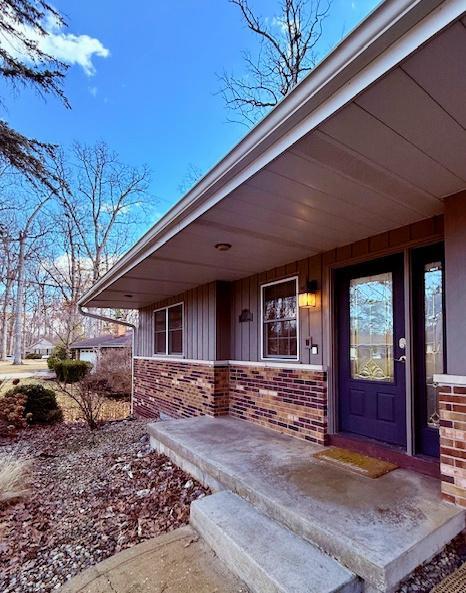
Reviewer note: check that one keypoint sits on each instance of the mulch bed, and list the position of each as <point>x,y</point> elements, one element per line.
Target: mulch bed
<point>93,493</point>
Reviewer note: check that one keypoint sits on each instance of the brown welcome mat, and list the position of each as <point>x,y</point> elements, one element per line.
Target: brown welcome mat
<point>455,583</point>
<point>355,462</point>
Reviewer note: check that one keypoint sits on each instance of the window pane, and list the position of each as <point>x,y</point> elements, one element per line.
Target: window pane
<point>175,317</point>
<point>160,342</point>
<point>160,346</point>
<point>280,338</point>
<point>433,324</point>
<point>371,328</point>
<point>280,301</point>
<point>160,320</point>
<point>175,342</point>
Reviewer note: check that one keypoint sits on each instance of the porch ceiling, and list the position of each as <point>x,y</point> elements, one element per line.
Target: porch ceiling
<point>385,159</point>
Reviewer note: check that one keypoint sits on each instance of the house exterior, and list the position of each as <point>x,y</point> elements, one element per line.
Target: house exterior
<point>43,346</point>
<point>313,281</point>
<point>90,349</point>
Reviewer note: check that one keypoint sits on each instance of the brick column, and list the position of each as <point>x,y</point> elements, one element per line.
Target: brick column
<point>452,403</point>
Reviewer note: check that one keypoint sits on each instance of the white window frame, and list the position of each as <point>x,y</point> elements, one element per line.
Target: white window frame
<point>281,358</point>
<point>175,354</point>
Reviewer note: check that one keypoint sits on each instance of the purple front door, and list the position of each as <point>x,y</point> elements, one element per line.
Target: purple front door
<point>371,350</point>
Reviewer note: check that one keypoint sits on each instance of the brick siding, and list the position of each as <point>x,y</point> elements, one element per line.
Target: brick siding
<point>452,402</point>
<point>179,389</point>
<point>291,401</point>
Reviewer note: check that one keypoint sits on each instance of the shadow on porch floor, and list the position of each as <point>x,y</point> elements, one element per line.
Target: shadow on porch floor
<point>380,529</point>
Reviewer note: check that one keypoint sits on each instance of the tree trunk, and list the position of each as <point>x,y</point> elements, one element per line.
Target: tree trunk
<point>18,332</point>
<point>4,332</point>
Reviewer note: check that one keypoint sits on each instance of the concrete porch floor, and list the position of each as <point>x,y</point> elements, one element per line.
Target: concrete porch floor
<point>380,529</point>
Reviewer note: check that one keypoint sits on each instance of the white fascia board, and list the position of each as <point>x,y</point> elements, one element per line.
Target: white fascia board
<point>248,156</point>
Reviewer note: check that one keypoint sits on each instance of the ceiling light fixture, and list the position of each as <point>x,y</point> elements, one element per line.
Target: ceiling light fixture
<point>223,246</point>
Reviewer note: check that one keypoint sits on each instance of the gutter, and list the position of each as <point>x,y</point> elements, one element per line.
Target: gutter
<point>133,339</point>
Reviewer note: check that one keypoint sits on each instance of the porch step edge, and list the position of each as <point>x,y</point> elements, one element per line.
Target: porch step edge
<point>268,557</point>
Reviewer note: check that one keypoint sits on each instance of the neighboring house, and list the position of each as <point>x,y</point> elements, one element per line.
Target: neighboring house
<point>43,346</point>
<point>90,349</point>
<point>313,282</point>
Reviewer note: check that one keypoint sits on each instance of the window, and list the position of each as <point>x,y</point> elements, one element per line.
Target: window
<point>280,319</point>
<point>168,330</point>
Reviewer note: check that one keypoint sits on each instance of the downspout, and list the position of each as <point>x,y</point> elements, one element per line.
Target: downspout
<point>133,339</point>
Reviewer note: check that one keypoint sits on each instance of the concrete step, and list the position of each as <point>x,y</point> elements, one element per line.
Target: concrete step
<point>381,530</point>
<point>266,556</point>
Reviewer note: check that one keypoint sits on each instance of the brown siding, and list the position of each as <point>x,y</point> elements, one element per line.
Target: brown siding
<point>245,293</point>
<point>455,283</point>
<point>199,336</point>
<point>212,327</point>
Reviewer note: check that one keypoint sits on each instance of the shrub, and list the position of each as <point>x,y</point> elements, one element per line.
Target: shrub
<point>51,361</point>
<point>89,395</point>
<point>71,371</point>
<point>33,356</point>
<point>13,409</point>
<point>13,477</point>
<point>115,367</point>
<point>59,353</point>
<point>40,404</point>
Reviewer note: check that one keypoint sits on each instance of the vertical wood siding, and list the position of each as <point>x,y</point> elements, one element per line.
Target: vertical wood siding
<point>199,323</point>
<point>246,294</point>
<point>213,331</point>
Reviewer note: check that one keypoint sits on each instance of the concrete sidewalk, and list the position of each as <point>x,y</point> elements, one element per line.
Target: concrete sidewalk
<point>176,562</point>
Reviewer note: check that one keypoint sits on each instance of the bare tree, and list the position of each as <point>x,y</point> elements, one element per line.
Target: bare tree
<point>102,203</point>
<point>287,51</point>
<point>7,278</point>
<point>23,63</point>
<point>27,233</point>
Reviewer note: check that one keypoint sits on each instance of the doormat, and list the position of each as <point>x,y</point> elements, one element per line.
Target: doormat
<point>455,583</point>
<point>355,462</point>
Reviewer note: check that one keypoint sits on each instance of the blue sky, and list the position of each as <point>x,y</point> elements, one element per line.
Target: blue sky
<point>153,98</point>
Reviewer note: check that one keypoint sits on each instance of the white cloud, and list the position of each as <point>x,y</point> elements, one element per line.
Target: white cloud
<point>93,91</point>
<point>66,47</point>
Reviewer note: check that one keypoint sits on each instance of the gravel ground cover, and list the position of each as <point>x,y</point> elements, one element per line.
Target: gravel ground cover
<point>427,576</point>
<point>92,494</point>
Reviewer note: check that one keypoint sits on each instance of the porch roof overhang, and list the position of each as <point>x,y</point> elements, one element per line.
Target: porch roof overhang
<point>373,139</point>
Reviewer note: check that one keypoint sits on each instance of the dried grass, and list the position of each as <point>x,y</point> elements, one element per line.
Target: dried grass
<point>14,475</point>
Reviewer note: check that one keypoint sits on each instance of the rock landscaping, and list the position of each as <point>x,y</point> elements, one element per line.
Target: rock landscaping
<point>427,576</point>
<point>92,494</point>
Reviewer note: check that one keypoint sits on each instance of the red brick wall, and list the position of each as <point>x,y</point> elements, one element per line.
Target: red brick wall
<point>452,402</point>
<point>179,389</point>
<point>292,401</point>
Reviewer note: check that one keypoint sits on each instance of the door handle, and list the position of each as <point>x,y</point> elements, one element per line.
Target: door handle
<point>401,359</point>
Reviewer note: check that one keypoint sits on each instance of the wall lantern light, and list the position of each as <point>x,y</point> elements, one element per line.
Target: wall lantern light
<point>308,299</point>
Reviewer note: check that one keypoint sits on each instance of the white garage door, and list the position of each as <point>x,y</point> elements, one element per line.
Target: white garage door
<point>88,356</point>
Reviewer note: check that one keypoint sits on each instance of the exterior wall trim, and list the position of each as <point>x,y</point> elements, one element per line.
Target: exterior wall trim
<point>459,380</point>
<point>276,364</point>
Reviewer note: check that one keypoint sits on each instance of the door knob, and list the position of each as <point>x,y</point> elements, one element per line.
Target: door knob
<point>401,359</point>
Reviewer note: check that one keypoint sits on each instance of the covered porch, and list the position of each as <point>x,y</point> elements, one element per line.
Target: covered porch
<point>380,529</point>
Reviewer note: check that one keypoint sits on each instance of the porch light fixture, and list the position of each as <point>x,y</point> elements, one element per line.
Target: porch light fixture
<point>223,246</point>
<point>308,299</point>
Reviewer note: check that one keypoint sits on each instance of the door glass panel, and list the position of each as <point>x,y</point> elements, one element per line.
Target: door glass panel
<point>371,328</point>
<point>433,325</point>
